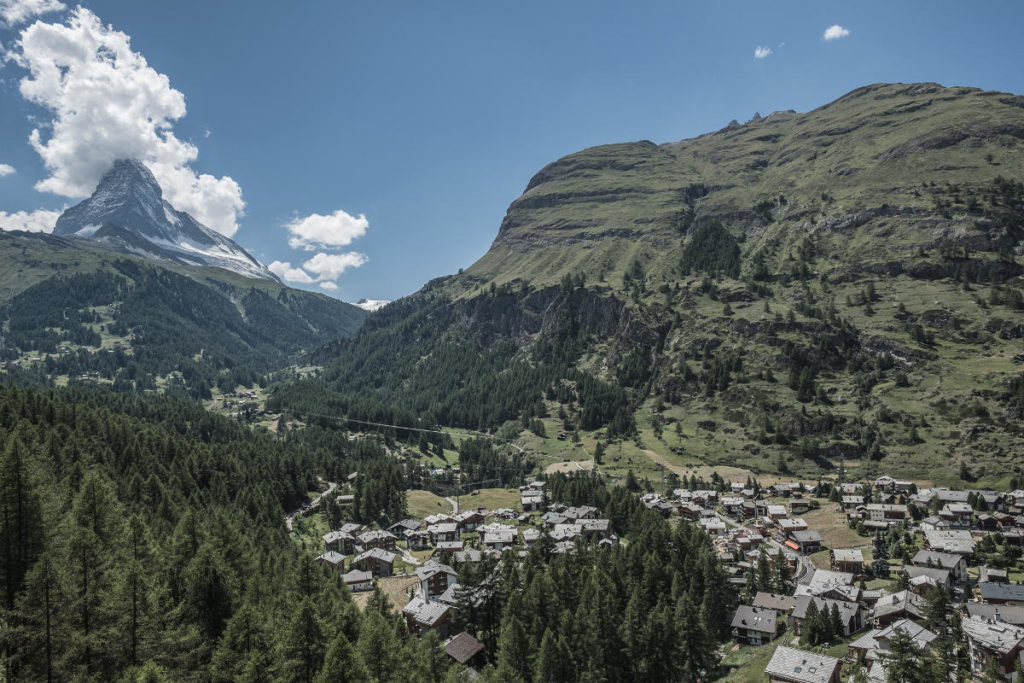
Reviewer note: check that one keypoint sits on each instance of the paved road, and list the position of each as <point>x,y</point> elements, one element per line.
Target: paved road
<point>331,486</point>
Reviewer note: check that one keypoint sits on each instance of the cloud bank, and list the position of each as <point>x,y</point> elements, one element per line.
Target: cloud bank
<point>835,32</point>
<point>6,169</point>
<point>107,103</point>
<point>323,268</point>
<point>41,220</point>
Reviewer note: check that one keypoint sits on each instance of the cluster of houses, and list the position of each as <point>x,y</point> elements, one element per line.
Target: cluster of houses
<point>952,524</point>
<point>363,554</point>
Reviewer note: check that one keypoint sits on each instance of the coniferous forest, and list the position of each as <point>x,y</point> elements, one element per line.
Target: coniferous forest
<point>141,538</point>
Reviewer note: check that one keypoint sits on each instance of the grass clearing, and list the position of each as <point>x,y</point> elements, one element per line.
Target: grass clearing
<point>422,504</point>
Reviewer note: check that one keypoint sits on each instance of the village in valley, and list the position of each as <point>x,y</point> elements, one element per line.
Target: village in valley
<point>833,581</point>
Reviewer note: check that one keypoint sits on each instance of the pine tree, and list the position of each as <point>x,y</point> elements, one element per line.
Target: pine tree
<point>341,664</point>
<point>303,648</point>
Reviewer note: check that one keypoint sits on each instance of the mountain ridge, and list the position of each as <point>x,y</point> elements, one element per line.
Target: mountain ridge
<point>830,290</point>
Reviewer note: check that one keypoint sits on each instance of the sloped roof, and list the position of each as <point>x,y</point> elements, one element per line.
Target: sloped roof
<point>801,666</point>
<point>463,647</point>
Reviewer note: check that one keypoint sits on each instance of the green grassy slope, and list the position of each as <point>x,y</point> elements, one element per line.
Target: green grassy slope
<point>865,308</point>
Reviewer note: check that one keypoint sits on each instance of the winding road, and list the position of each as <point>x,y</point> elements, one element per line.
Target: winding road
<point>331,486</point>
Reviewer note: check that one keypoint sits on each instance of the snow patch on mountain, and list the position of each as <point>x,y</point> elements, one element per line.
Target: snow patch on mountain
<point>127,213</point>
<point>371,304</point>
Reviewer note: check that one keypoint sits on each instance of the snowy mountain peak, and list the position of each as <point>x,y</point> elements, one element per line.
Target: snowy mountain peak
<point>127,213</point>
<point>371,304</point>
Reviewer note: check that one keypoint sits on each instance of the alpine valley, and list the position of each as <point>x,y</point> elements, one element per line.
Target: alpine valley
<point>129,292</point>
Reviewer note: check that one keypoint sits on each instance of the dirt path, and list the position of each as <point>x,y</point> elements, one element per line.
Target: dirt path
<point>455,506</point>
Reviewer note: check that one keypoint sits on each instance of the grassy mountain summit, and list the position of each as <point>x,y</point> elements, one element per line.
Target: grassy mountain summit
<point>803,292</point>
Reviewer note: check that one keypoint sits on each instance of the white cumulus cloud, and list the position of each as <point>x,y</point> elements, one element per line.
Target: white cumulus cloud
<point>284,270</point>
<point>338,229</point>
<point>762,52</point>
<point>835,32</point>
<point>40,220</point>
<point>329,286</point>
<point>331,266</point>
<point>17,11</point>
<point>108,103</point>
<point>6,169</point>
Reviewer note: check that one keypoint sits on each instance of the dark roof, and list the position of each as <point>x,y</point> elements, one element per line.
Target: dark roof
<point>1001,591</point>
<point>1007,613</point>
<point>754,619</point>
<point>463,647</point>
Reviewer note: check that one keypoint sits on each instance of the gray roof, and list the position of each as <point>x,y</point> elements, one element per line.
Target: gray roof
<point>939,575</point>
<point>1011,614</point>
<point>356,576</point>
<point>899,602</point>
<point>944,560</point>
<point>800,665</point>
<point>425,612</point>
<point>848,555</point>
<point>997,636</point>
<point>332,557</point>
<point>434,567</point>
<point>781,603</point>
<point>376,553</point>
<point>870,641</point>
<point>1001,591</point>
<point>954,541</point>
<point>809,536</point>
<point>754,619</point>
<point>463,647</point>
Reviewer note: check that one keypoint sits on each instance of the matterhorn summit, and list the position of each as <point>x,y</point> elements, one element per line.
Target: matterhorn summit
<point>128,213</point>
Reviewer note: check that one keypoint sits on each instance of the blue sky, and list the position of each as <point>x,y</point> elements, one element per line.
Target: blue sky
<point>428,119</point>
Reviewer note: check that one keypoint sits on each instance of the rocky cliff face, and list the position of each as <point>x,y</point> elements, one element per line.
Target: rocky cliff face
<point>128,213</point>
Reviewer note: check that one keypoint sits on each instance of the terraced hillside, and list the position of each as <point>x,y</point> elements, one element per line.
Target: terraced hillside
<point>803,292</point>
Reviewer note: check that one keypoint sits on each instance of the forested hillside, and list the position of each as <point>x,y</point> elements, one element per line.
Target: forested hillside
<point>141,538</point>
<point>73,312</point>
<point>800,293</point>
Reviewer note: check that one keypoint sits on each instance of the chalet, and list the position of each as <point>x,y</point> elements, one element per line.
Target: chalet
<point>563,532</point>
<point>849,560</point>
<point>595,528</point>
<point>852,502</point>
<point>789,665</point>
<point>992,644</point>
<point>748,510</point>
<point>449,546</point>
<point>1015,499</point>
<point>888,514</point>
<point>713,526</point>
<point>470,556</point>
<point>951,496</point>
<point>732,505</point>
<point>434,579</point>
<point>848,489</point>
<point>823,580</point>
<point>706,498</point>
<point>399,528</point>
<point>445,531</point>
<point>987,522</point>
<point>384,540</point>
<point>333,560</point>
<point>957,514</point>
<point>377,561</point>
<point>345,500</point>
<point>499,539</point>
<point>438,518</point>
<point>884,483</point>
<point>690,511</point>
<point>532,500</point>
<point>424,615</point>
<point>358,580</point>
<point>956,541</point>
<point>777,512</point>
<point>902,605</point>
<point>469,520</point>
<point>955,564</point>
<point>872,646</point>
<point>1002,593</point>
<point>799,507</point>
<point>339,542</point>
<point>787,526</point>
<point>465,649</point>
<point>921,578</point>
<point>783,604</point>
<point>755,626</point>
<point>353,529</point>
<point>850,613</point>
<point>417,540</point>
<point>530,536</point>
<point>551,518</point>
<point>808,541</point>
<point>1008,613</point>
<point>582,512</point>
